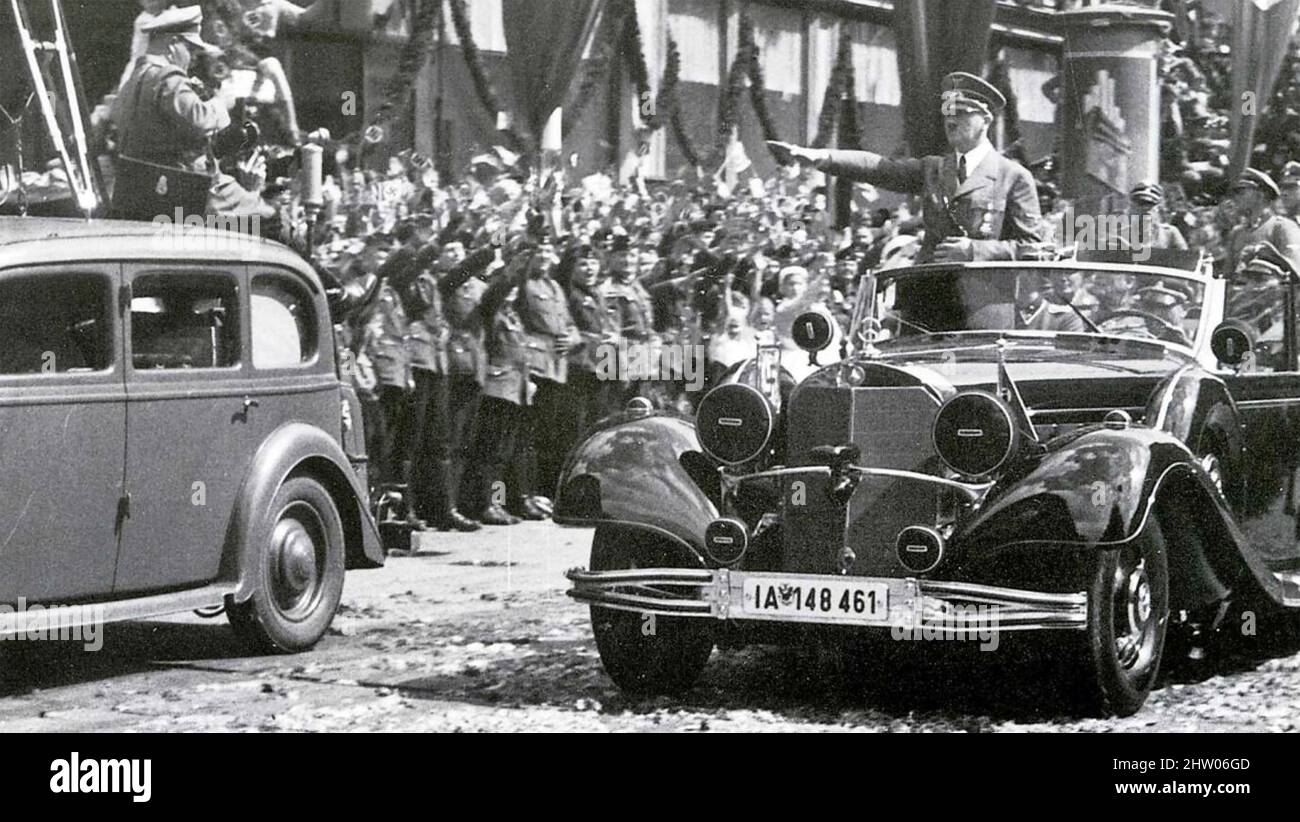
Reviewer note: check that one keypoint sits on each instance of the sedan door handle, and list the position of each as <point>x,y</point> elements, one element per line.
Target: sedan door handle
<point>250,403</point>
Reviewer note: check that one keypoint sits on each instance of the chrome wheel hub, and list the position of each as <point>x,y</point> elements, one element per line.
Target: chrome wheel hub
<point>295,561</point>
<point>1134,624</point>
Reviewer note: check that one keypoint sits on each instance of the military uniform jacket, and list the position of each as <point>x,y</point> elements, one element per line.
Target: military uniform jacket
<point>462,290</point>
<point>595,319</point>
<point>426,340</point>
<point>997,205</point>
<point>508,358</point>
<point>383,341</point>
<point>544,310</point>
<point>161,119</point>
<point>1282,232</point>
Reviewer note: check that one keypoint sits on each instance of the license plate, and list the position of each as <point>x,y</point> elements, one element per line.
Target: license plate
<point>820,600</point>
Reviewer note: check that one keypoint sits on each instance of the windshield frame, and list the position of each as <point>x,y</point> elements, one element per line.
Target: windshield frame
<point>865,311</point>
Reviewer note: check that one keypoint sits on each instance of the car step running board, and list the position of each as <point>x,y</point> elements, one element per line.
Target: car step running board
<point>26,617</point>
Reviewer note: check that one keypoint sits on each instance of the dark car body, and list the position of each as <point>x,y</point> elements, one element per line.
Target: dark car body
<point>1124,441</point>
<point>157,388</point>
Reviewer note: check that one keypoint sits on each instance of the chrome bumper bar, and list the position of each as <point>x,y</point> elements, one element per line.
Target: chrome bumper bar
<point>912,603</point>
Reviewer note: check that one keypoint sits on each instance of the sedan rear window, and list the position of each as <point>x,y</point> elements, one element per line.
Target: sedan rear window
<point>283,324</point>
<point>55,323</point>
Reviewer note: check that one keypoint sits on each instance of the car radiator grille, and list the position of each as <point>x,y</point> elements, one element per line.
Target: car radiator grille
<point>892,426</point>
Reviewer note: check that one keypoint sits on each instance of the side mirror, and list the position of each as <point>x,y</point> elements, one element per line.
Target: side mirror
<point>1232,341</point>
<point>813,332</point>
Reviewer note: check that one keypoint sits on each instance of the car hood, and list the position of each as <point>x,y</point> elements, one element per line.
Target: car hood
<point>1086,374</point>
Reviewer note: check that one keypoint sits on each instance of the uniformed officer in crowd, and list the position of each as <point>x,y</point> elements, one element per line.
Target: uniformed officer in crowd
<point>1168,305</point>
<point>1146,201</point>
<point>162,119</point>
<point>977,204</point>
<point>552,335</point>
<point>591,396</point>
<point>1256,195</point>
<point>634,310</point>
<point>383,349</point>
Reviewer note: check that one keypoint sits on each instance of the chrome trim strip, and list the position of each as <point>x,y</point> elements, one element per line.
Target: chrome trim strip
<point>971,490</point>
<point>717,595</point>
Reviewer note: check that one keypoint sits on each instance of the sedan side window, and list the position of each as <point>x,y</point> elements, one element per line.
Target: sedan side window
<point>55,324</point>
<point>184,321</point>
<point>283,323</point>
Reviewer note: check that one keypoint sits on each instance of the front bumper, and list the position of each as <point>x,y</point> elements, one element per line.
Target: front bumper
<point>912,603</point>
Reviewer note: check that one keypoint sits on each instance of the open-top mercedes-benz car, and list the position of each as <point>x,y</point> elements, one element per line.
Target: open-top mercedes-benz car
<point>1094,447</point>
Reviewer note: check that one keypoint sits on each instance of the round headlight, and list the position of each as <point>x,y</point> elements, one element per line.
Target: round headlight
<point>813,330</point>
<point>734,423</point>
<point>974,434</point>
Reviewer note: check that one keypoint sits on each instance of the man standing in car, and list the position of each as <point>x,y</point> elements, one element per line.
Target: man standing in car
<point>978,205</point>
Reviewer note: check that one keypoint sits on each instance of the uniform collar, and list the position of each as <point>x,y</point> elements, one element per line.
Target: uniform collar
<point>974,157</point>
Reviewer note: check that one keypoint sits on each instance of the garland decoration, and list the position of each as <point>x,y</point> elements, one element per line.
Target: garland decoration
<point>397,91</point>
<point>474,58</point>
<point>850,134</point>
<point>729,98</point>
<point>683,139</point>
<point>666,101</point>
<point>829,117</point>
<point>757,81</point>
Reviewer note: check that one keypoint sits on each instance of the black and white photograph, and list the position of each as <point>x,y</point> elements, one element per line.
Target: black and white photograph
<point>584,366</point>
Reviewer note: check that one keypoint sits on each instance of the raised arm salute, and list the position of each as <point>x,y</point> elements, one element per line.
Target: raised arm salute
<point>978,205</point>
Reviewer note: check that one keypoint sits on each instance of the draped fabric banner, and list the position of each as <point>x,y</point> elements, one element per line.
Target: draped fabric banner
<point>544,47</point>
<point>1261,30</point>
<point>936,37</point>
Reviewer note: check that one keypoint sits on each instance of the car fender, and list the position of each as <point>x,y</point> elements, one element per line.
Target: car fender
<point>628,472</point>
<point>1197,408</point>
<point>292,448</point>
<point>1096,490</point>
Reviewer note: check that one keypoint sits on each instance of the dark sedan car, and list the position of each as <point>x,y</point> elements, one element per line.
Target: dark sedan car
<point>173,430</point>
<point>1049,447</point>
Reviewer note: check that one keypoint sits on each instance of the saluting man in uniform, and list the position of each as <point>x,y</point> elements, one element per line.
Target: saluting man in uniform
<point>977,204</point>
<point>634,309</point>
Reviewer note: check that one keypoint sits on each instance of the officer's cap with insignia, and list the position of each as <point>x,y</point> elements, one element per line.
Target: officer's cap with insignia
<point>183,22</point>
<point>962,92</point>
<point>1268,260</point>
<point>1147,193</point>
<point>1256,179</point>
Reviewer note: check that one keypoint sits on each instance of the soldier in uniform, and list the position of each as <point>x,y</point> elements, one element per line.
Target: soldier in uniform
<point>592,396</point>
<point>502,432</point>
<point>977,204</point>
<point>383,350</point>
<point>1146,201</point>
<point>1255,195</point>
<point>162,119</point>
<point>552,335</point>
<point>634,309</point>
<point>1041,314</point>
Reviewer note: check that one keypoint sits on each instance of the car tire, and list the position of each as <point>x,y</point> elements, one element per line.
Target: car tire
<point>645,654</point>
<point>1116,661</point>
<point>297,573</point>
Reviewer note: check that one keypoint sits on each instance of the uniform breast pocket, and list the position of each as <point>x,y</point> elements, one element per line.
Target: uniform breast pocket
<point>983,217</point>
<point>461,358</point>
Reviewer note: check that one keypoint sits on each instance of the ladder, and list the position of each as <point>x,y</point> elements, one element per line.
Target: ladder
<point>44,51</point>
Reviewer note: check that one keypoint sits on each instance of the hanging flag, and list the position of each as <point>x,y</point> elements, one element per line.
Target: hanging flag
<point>1260,33</point>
